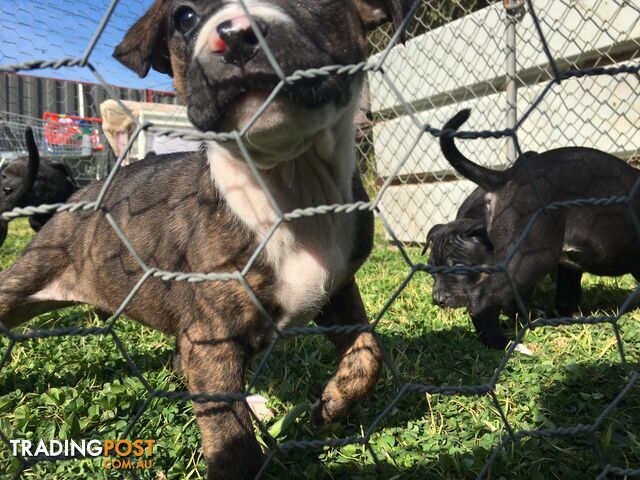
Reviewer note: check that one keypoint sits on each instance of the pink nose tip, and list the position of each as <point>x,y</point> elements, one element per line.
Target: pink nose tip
<point>217,44</point>
<point>228,30</point>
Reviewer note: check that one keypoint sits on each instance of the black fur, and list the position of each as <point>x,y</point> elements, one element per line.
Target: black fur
<point>599,240</point>
<point>32,181</point>
<point>465,242</point>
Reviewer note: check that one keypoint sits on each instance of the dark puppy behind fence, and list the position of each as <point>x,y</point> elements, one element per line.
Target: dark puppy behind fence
<point>601,240</point>
<point>464,242</point>
<point>33,180</point>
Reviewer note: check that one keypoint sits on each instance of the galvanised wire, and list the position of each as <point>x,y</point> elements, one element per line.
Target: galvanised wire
<point>403,389</point>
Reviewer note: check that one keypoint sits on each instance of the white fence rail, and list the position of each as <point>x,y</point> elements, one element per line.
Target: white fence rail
<point>462,64</point>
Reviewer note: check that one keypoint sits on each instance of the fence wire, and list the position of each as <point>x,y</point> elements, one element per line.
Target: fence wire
<point>383,42</point>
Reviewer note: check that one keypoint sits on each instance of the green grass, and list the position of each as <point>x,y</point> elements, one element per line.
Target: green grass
<point>78,388</point>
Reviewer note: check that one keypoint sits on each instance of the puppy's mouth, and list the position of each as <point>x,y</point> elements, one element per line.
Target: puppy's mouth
<point>455,302</point>
<point>211,99</point>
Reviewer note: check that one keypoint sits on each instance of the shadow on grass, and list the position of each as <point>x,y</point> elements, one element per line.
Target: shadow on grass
<point>564,395</point>
<point>579,396</point>
<point>61,363</point>
<point>548,391</point>
<point>606,297</point>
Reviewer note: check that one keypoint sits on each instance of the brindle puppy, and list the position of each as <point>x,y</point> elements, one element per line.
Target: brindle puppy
<point>462,242</point>
<point>207,213</point>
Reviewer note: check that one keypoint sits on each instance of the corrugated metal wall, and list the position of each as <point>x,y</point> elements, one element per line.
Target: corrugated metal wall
<point>32,96</point>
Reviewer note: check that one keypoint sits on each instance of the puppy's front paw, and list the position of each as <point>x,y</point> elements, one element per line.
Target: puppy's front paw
<point>487,325</point>
<point>496,342</point>
<point>258,404</point>
<point>328,409</point>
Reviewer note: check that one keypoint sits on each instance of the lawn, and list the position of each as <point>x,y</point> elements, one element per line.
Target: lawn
<point>82,388</point>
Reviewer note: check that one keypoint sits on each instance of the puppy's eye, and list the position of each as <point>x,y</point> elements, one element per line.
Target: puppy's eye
<point>7,190</point>
<point>185,19</point>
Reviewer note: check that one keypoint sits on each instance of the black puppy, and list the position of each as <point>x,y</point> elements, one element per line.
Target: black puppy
<point>473,205</point>
<point>465,242</point>
<point>462,242</point>
<point>598,239</point>
<point>33,181</point>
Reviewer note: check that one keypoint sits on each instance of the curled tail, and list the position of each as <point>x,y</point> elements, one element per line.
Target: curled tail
<point>486,178</point>
<point>33,165</point>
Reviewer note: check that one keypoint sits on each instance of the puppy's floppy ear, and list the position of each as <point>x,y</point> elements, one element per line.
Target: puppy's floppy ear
<point>66,171</point>
<point>479,234</point>
<point>435,231</point>
<point>377,12</point>
<point>145,45</point>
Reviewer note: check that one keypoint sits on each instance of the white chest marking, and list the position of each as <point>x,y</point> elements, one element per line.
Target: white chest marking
<point>309,255</point>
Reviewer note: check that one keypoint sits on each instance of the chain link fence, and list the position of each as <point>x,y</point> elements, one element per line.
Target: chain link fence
<point>571,92</point>
<point>67,119</point>
<point>451,62</point>
<point>80,146</point>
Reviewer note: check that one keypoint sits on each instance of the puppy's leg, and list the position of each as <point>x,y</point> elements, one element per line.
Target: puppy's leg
<point>20,283</point>
<point>568,291</point>
<point>487,324</point>
<point>530,263</point>
<point>359,353</point>
<point>215,366</point>
<point>4,228</point>
<point>486,301</point>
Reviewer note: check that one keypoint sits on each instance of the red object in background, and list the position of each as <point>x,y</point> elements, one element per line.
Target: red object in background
<point>68,130</point>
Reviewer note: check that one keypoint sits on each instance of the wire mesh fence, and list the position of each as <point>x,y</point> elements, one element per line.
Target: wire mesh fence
<point>464,64</point>
<point>67,119</point>
<point>75,141</point>
<point>401,127</point>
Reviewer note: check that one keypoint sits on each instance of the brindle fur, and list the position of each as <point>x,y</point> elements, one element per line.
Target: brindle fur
<point>176,220</point>
<point>217,324</point>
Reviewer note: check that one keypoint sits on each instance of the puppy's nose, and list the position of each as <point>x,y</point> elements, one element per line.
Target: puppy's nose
<point>236,40</point>
<point>442,299</point>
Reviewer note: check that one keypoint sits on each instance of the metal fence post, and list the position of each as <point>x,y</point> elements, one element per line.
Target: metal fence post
<point>515,11</point>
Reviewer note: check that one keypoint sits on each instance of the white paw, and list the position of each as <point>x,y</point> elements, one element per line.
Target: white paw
<point>258,405</point>
<point>523,349</point>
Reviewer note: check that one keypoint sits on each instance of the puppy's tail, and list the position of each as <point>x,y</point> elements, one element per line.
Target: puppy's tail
<point>33,164</point>
<point>488,179</point>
